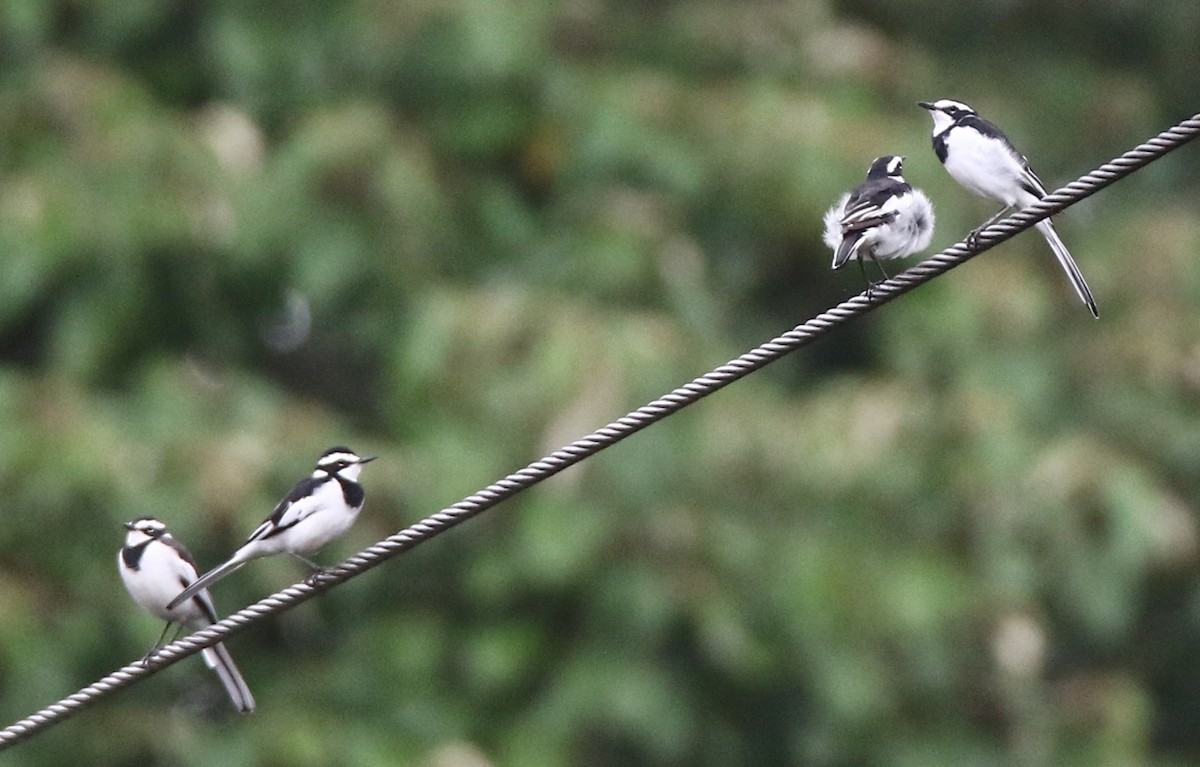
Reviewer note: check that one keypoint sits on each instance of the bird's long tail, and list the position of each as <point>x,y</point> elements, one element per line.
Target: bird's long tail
<point>206,580</point>
<point>1068,264</point>
<point>220,661</point>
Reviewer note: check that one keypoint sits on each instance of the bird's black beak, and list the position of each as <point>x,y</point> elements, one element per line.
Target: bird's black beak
<point>926,105</point>
<point>368,459</point>
<point>129,526</point>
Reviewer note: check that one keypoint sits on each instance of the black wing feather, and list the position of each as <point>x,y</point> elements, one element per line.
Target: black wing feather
<point>202,601</point>
<point>871,194</point>
<point>180,549</point>
<point>862,212</point>
<point>272,525</point>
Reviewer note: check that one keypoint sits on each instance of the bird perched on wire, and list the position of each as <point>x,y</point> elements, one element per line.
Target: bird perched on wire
<point>980,158</point>
<point>319,508</point>
<point>881,218</point>
<point>154,566</point>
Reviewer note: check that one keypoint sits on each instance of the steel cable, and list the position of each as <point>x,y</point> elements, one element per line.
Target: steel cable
<point>607,436</point>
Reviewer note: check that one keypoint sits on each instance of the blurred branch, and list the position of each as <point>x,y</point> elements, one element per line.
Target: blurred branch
<point>614,432</point>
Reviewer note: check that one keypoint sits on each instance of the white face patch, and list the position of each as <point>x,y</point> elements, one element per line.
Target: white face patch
<point>135,538</point>
<point>895,166</point>
<point>144,530</point>
<point>941,120</point>
<point>352,471</point>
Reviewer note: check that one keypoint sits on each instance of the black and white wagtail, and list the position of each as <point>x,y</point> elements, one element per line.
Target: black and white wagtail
<point>319,508</point>
<point>881,218</point>
<point>154,566</point>
<point>981,158</point>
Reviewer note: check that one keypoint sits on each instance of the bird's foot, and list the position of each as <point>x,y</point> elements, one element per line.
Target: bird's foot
<point>149,657</point>
<point>315,574</point>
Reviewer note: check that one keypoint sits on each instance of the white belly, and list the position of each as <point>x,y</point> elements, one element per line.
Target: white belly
<point>985,167</point>
<point>157,581</point>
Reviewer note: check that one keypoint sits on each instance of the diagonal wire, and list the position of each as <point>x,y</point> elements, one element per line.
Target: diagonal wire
<point>607,436</point>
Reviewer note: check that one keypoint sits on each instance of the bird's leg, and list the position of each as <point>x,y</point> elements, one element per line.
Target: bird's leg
<point>871,283</point>
<point>882,271</point>
<point>863,271</point>
<point>311,565</point>
<point>153,651</point>
<point>973,237</point>
<point>314,570</point>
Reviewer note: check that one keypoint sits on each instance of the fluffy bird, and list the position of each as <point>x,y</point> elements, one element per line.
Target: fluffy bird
<point>319,508</point>
<point>154,567</point>
<point>881,218</point>
<point>980,158</point>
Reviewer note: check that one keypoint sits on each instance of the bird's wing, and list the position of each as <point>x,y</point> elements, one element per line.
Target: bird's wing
<point>1028,179</point>
<point>186,556</point>
<point>185,571</point>
<point>303,501</point>
<point>872,203</point>
<point>866,219</point>
<point>204,600</point>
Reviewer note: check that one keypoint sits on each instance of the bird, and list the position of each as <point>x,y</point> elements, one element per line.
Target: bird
<point>980,158</point>
<point>153,566</point>
<point>881,218</point>
<point>319,508</point>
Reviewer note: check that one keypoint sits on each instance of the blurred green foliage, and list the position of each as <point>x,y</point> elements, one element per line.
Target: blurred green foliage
<point>962,531</point>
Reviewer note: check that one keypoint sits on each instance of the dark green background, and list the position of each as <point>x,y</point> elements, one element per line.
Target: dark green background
<point>962,531</point>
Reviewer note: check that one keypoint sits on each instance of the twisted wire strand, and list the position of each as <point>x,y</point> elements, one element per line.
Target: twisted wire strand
<point>611,434</point>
